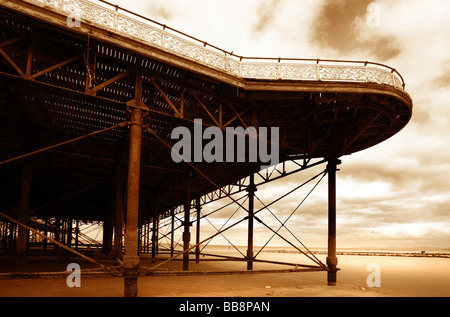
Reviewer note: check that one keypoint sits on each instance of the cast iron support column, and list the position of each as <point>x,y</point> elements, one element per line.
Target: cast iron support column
<point>44,242</point>
<point>131,257</point>
<point>23,216</point>
<point>251,195</point>
<point>187,223</point>
<point>107,232</point>
<point>57,229</point>
<point>154,234</point>
<point>69,233</point>
<point>157,235</point>
<point>172,226</point>
<point>197,236</point>
<point>118,212</point>
<point>332,257</point>
<point>77,233</point>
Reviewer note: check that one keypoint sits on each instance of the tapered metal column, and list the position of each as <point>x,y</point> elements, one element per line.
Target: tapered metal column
<point>23,216</point>
<point>332,257</point>
<point>119,191</point>
<point>118,213</point>
<point>77,233</point>
<point>57,231</point>
<point>107,232</point>
<point>251,195</point>
<point>46,233</point>
<point>187,223</point>
<point>172,227</point>
<point>69,233</point>
<point>131,257</point>
<point>197,235</point>
<point>154,234</point>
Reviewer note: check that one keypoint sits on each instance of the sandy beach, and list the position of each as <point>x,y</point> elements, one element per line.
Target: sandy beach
<point>399,276</point>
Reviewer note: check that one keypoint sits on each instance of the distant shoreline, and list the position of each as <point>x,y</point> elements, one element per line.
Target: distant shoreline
<point>371,251</point>
<point>376,253</point>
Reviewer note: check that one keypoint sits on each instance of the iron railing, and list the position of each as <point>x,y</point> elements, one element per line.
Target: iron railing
<point>128,23</point>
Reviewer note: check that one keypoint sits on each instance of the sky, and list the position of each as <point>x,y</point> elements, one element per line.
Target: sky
<point>393,195</point>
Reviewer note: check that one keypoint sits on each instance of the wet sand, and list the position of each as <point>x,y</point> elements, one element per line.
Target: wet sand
<point>399,277</point>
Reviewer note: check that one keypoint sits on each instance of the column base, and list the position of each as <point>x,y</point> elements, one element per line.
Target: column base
<point>130,282</point>
<point>332,273</point>
<point>332,277</point>
<point>130,275</point>
<point>249,260</point>
<point>186,240</point>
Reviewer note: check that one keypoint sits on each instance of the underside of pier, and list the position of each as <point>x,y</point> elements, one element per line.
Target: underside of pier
<point>86,122</point>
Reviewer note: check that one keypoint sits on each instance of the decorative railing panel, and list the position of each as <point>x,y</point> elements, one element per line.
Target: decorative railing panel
<point>173,41</point>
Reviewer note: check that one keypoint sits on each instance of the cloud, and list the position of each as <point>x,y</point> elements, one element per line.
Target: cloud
<point>421,30</point>
<point>443,80</point>
<point>392,193</point>
<point>347,27</point>
<point>266,12</point>
<point>334,21</point>
<point>159,12</point>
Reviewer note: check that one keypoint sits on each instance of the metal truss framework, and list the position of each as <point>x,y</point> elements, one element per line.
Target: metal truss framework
<point>196,215</point>
<point>86,116</point>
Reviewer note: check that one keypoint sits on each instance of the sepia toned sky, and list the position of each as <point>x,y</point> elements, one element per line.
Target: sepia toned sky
<point>393,195</point>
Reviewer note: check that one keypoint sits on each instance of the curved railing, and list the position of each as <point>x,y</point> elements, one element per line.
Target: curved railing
<point>159,35</point>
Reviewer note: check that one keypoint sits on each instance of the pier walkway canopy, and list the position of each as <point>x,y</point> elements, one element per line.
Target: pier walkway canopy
<point>90,94</point>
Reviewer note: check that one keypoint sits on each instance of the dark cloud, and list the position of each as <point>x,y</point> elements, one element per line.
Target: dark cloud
<point>384,47</point>
<point>405,180</point>
<point>159,12</point>
<point>443,80</point>
<point>265,14</point>
<point>398,175</point>
<point>439,210</point>
<point>421,116</point>
<point>335,26</point>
